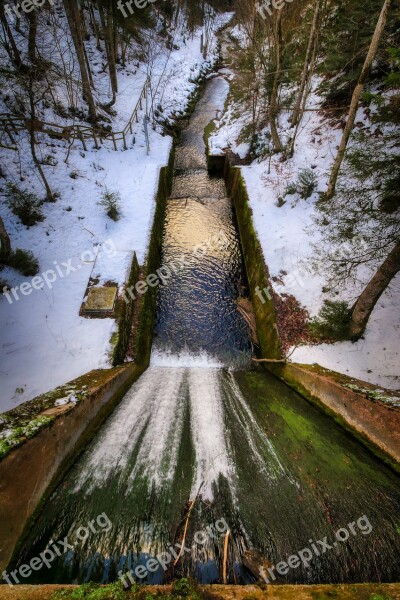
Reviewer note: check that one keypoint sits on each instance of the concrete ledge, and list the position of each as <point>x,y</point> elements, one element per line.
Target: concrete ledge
<point>256,268</point>
<point>230,592</point>
<point>28,471</point>
<point>376,424</point>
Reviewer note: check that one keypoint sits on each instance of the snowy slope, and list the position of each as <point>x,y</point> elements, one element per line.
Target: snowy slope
<point>44,342</point>
<point>287,234</point>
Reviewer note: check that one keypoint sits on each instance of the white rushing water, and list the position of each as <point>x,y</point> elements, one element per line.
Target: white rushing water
<point>143,437</point>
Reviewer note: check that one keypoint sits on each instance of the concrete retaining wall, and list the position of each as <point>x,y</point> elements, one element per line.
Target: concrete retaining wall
<point>374,423</point>
<point>257,270</point>
<point>231,592</point>
<point>30,471</point>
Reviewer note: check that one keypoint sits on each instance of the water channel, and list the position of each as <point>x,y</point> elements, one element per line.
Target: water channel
<point>202,431</point>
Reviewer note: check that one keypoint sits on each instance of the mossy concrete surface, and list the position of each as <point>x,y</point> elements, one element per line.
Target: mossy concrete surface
<point>40,439</point>
<point>230,592</point>
<point>28,472</point>
<point>370,413</point>
<point>355,405</point>
<point>256,268</point>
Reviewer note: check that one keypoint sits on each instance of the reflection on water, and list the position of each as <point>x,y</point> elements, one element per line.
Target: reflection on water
<point>197,307</point>
<point>197,310</point>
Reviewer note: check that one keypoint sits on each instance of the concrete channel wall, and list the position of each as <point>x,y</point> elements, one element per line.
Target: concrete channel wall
<point>375,424</point>
<point>31,469</point>
<point>256,268</point>
<point>233,592</point>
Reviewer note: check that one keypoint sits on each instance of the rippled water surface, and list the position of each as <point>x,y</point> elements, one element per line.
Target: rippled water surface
<point>197,309</point>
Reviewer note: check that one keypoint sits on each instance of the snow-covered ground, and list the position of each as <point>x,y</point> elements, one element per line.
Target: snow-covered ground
<point>287,234</point>
<point>44,342</point>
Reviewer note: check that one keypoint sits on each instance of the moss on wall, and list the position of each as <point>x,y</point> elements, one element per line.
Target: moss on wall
<point>148,302</point>
<point>125,316</point>
<point>257,270</point>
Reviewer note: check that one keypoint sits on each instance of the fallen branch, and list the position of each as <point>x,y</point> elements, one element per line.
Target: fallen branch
<point>225,557</point>
<point>269,360</point>
<point>187,525</point>
<point>272,360</point>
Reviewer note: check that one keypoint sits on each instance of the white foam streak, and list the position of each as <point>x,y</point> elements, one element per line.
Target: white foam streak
<point>184,360</point>
<point>208,432</point>
<point>152,413</point>
<point>255,436</point>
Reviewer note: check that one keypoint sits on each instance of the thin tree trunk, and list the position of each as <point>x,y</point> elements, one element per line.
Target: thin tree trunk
<point>291,145</point>
<point>124,48</point>
<point>356,98</point>
<point>89,72</point>
<point>12,48</point>
<point>32,36</point>
<point>32,140</point>
<point>107,25</point>
<point>5,245</point>
<point>273,104</point>
<point>85,34</point>
<point>364,306</point>
<point>307,64</point>
<point>73,16</point>
<point>95,28</point>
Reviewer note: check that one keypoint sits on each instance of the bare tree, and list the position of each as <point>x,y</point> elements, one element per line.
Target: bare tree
<point>74,22</point>
<point>8,40</point>
<point>356,98</point>
<point>5,245</point>
<point>273,100</point>
<point>109,29</point>
<point>307,63</point>
<point>32,137</point>
<point>365,304</point>
<point>32,19</point>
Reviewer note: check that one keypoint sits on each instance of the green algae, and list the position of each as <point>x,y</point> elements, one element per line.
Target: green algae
<point>183,589</point>
<point>14,437</point>
<point>257,270</point>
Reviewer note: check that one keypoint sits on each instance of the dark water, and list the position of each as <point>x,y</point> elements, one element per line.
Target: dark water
<point>237,447</point>
<point>197,309</point>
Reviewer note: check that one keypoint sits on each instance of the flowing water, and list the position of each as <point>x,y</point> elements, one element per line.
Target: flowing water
<point>202,440</point>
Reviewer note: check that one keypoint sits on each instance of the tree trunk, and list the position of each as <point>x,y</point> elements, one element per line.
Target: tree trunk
<point>306,68</point>
<point>95,27</point>
<point>307,91</point>
<point>108,32</point>
<point>364,306</point>
<point>12,47</point>
<point>273,104</point>
<point>356,98</point>
<point>74,22</point>
<point>5,245</point>
<point>32,17</point>
<point>32,139</point>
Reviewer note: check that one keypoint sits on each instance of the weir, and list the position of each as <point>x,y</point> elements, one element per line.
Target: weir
<point>202,442</point>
